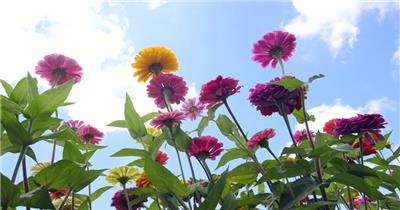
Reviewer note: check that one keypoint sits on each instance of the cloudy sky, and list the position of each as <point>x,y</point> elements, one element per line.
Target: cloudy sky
<point>356,45</point>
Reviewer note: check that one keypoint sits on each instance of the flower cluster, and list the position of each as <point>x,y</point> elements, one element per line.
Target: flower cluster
<point>87,133</point>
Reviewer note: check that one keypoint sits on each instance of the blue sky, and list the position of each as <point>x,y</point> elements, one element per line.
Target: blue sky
<point>353,44</point>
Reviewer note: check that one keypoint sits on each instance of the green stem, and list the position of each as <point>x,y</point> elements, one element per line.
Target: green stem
<point>281,65</point>
<point>157,200</point>
<point>393,154</point>
<point>234,119</point>
<point>25,176</point>
<point>191,167</point>
<point>360,142</point>
<point>177,154</point>
<point>180,201</point>
<point>73,200</point>
<point>167,102</point>
<point>292,193</point>
<point>209,177</point>
<point>20,157</point>
<point>273,155</point>
<point>53,154</point>
<point>126,196</point>
<point>208,170</point>
<point>349,197</point>
<point>65,200</point>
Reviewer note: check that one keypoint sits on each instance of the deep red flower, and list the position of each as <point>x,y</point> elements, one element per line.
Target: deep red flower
<point>218,90</point>
<point>173,118</point>
<point>162,157</point>
<point>58,193</point>
<point>119,201</point>
<point>170,84</point>
<point>261,138</point>
<point>204,147</point>
<point>329,126</point>
<point>302,135</point>
<point>368,149</point>
<point>359,124</point>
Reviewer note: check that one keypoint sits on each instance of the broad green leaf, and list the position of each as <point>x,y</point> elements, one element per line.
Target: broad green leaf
<point>9,193</point>
<point>18,95</point>
<point>149,116</point>
<point>139,163</point>
<point>182,140</point>
<point>294,150</point>
<point>156,144</point>
<point>65,133</point>
<point>47,102</point>
<point>315,77</point>
<point>211,111</point>
<point>7,87</point>
<point>10,106</point>
<point>118,124</point>
<point>213,197</point>
<point>342,147</point>
<point>231,154</point>
<point>17,134</point>
<point>96,194</point>
<point>225,125</point>
<point>84,178</point>
<point>135,123</point>
<point>59,175</point>
<point>202,125</point>
<point>298,168</point>
<point>37,198</point>
<point>6,146</point>
<point>130,152</point>
<point>245,173</point>
<point>32,89</point>
<point>299,115</point>
<point>42,125</point>
<point>395,155</point>
<point>290,83</point>
<point>229,202</point>
<point>356,182</point>
<point>140,193</point>
<point>301,188</point>
<point>71,152</point>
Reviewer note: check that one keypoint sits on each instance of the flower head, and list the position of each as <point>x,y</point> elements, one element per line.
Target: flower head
<point>122,175</point>
<point>274,46</point>
<point>204,147</point>
<point>301,135</point>
<point>359,201</point>
<point>173,118</point>
<point>218,90</point>
<point>152,61</point>
<point>359,124</point>
<point>269,97</point>
<point>90,134</point>
<point>74,124</point>
<point>119,200</point>
<point>36,168</point>
<point>291,158</point>
<point>68,204</point>
<point>161,157</point>
<point>173,86</point>
<point>191,109</point>
<point>58,193</point>
<point>329,126</point>
<point>368,149</point>
<point>58,69</point>
<point>153,131</point>
<point>261,138</point>
<point>143,181</point>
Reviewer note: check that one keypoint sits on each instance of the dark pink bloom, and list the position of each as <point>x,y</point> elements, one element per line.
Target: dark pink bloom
<point>218,90</point>
<point>274,46</point>
<point>329,126</point>
<point>191,109</point>
<point>173,118</point>
<point>119,201</point>
<point>359,124</point>
<point>368,149</point>
<point>162,158</point>
<point>74,124</point>
<point>90,134</point>
<point>204,147</point>
<point>170,84</point>
<point>261,138</point>
<point>301,135</point>
<point>359,201</point>
<point>58,69</point>
<point>268,97</point>
<point>58,193</point>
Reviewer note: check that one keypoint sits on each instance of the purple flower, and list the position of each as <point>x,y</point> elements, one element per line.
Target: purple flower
<point>90,134</point>
<point>359,124</point>
<point>301,135</point>
<point>218,90</point>
<point>191,109</point>
<point>119,200</point>
<point>170,84</point>
<point>74,124</point>
<point>268,97</point>
<point>173,118</point>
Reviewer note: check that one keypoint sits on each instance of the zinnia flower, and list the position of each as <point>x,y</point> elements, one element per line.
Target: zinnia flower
<point>173,86</point>
<point>152,61</point>
<point>74,124</point>
<point>291,158</point>
<point>68,205</point>
<point>204,147</point>
<point>274,46</point>
<point>218,90</point>
<point>58,69</point>
<point>360,201</point>
<point>90,135</point>
<point>119,200</point>
<point>36,168</point>
<point>58,193</point>
<point>143,181</point>
<point>122,175</point>
<point>368,149</point>
<point>191,109</point>
<point>359,124</point>
<point>261,138</point>
<point>173,118</point>
<point>268,97</point>
<point>301,135</point>
<point>329,126</point>
<point>161,157</point>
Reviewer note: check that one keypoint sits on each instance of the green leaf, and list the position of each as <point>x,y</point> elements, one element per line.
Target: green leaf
<point>288,169</point>
<point>294,150</point>
<point>299,115</point>
<point>301,188</point>
<point>37,198</point>
<point>71,152</point>
<point>7,87</point>
<point>342,147</point>
<point>47,102</point>
<point>17,134</point>
<point>10,106</point>
<point>211,201</point>
<point>229,202</point>
<point>32,89</point>
<point>130,152</point>
<point>211,111</point>
<point>9,193</point>
<point>18,95</point>
<point>149,116</point>
<point>135,123</point>
<point>96,194</point>
<point>202,125</point>
<point>84,178</point>
<point>163,179</point>
<point>182,140</point>
<point>290,83</point>
<point>245,173</point>
<point>231,154</point>
<point>225,125</point>
<point>65,133</point>
<point>356,182</point>
<point>315,77</point>
<point>118,124</point>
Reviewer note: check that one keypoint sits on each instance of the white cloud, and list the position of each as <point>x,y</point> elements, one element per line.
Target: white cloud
<point>324,112</point>
<point>335,22</point>
<point>153,4</point>
<point>396,56</point>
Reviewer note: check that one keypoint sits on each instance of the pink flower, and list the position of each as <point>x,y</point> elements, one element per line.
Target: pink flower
<point>301,135</point>
<point>58,69</point>
<point>173,118</point>
<point>204,147</point>
<point>90,134</point>
<point>169,84</point>
<point>74,124</point>
<point>191,109</point>
<point>274,46</point>
<point>360,201</point>
<point>119,200</point>
<point>162,158</point>
<point>260,138</point>
<point>218,90</point>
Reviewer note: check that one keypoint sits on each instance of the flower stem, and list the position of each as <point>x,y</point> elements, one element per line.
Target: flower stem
<point>167,102</point>
<point>281,65</point>
<point>286,119</point>
<point>25,176</point>
<point>360,142</point>
<point>177,154</point>
<point>20,157</point>
<point>180,201</point>
<point>393,154</point>
<point>191,167</point>
<point>126,196</point>
<point>234,119</point>
<point>53,154</point>
<point>206,169</point>
<point>65,199</point>
<point>273,155</point>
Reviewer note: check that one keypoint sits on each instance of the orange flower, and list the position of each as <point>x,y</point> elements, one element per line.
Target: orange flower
<point>143,181</point>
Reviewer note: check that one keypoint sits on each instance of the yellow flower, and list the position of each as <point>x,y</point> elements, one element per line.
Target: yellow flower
<point>68,205</point>
<point>122,175</point>
<point>354,196</point>
<point>153,131</point>
<point>143,181</point>
<point>36,168</point>
<point>291,158</point>
<point>152,61</point>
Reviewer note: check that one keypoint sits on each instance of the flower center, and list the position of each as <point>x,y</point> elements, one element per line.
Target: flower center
<point>168,122</point>
<point>276,52</point>
<point>155,68</point>
<point>59,73</point>
<point>123,180</point>
<point>203,155</point>
<point>87,138</point>
<point>263,143</point>
<point>193,109</point>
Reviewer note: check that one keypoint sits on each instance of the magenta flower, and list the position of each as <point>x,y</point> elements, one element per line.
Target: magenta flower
<point>359,124</point>
<point>360,201</point>
<point>161,157</point>
<point>119,201</point>
<point>173,118</point>
<point>261,138</point>
<point>301,135</point>
<point>268,97</point>
<point>90,135</point>
<point>58,69</point>
<point>274,46</point>
<point>204,147</point>
<point>74,124</point>
<point>191,109</point>
<point>170,84</point>
<point>218,90</point>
